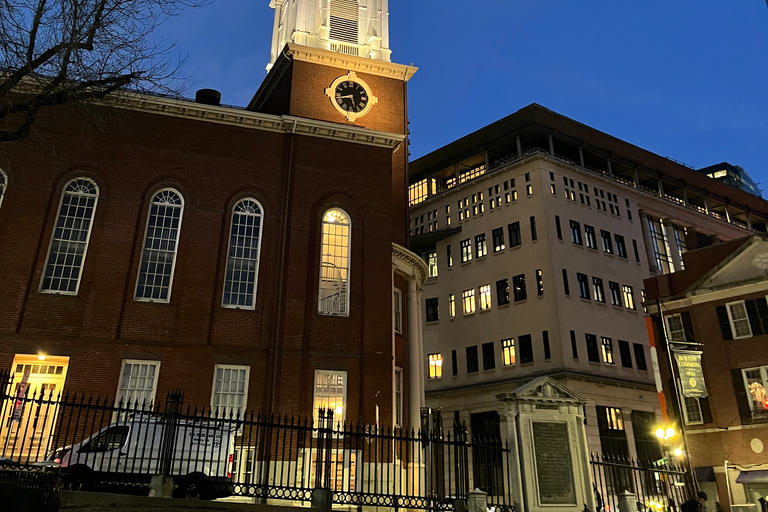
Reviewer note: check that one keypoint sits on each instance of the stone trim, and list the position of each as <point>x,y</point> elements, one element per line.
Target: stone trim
<point>409,263</point>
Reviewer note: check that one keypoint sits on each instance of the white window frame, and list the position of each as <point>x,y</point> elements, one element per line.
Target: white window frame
<point>175,249</point>
<point>342,308</point>
<point>468,298</point>
<point>229,408</point>
<point>64,194</point>
<point>435,366</point>
<point>397,308</point>
<point>3,185</point>
<point>431,259</point>
<point>398,408</point>
<point>764,378</point>
<point>629,297</point>
<point>732,322</point>
<point>257,260</point>
<point>508,355</point>
<point>128,404</point>
<point>671,332</point>
<point>685,411</point>
<point>316,409</point>
<point>485,297</point>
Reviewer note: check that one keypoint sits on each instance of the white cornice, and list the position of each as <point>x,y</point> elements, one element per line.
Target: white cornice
<point>408,263</point>
<point>350,63</point>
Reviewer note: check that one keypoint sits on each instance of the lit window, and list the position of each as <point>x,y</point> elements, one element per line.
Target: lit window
<point>69,241</point>
<point>480,246</point>
<point>230,391</point>
<point>243,256</point>
<point>448,255</point>
<point>468,300</point>
<point>755,380</point>
<point>398,397</point>
<point>333,298</point>
<point>498,239</point>
<point>485,297</point>
<point>435,366</point>
<point>331,394</point>
<point>529,189</point>
<point>629,298</point>
<point>3,185</point>
<point>398,309</point>
<point>138,383</point>
<point>433,313</point>
<point>737,316</point>
<point>452,305</point>
<point>466,250</point>
<point>675,328</point>
<point>161,242</point>
<point>431,258</point>
<point>607,345</point>
<point>612,417</point>
<point>597,289</point>
<point>508,351</point>
<point>539,283</point>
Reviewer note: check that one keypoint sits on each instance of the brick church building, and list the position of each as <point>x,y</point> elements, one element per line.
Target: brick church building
<point>254,258</point>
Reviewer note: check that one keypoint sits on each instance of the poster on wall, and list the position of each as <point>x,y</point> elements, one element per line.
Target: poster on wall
<point>691,373</point>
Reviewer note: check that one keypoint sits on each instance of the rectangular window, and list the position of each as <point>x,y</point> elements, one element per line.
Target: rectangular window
<point>489,356</point>
<point>539,283</point>
<point>527,177</point>
<point>566,288</point>
<point>435,366</point>
<point>593,354</point>
<point>640,356</point>
<point>545,342</point>
<point>607,344</point>
<point>625,353</point>
<point>473,365</point>
<point>615,293</point>
<point>739,320</point>
<point>534,236</point>
<point>514,234</point>
<point>452,305</point>
<point>621,247</point>
<point>576,232</point>
<point>756,382</point>
<point>433,314</point>
<point>553,189</point>
<point>583,285</point>
<point>597,289</point>
<point>629,297</point>
<point>660,245</point>
<point>466,250</point>
<point>331,394</point>
<point>431,259</point>
<point>529,190</point>
<point>518,285</point>
<point>502,292</point>
<point>498,239</point>
<point>468,300</point>
<point>485,297</point>
<point>634,249</point>
<point>692,411</point>
<point>508,351</point>
<point>398,308</point>
<point>449,256</point>
<point>589,234</point>
<point>398,397</point>
<point>455,362</point>
<point>481,249</point>
<point>574,347</point>
<point>526,349</point>
<point>557,228</point>
<point>138,383</point>
<point>607,244</point>
<point>230,391</point>
<point>675,328</point>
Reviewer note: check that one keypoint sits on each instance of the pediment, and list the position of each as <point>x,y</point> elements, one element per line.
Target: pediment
<point>545,389</point>
<point>746,265</point>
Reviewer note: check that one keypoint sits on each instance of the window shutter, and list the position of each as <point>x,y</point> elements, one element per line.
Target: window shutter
<point>762,311</point>
<point>725,325</point>
<point>742,400</point>
<point>706,411</point>
<point>754,319</point>
<point>672,399</point>
<point>659,330</point>
<point>687,326</point>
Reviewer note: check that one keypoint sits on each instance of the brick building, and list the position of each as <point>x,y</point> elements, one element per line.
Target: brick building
<point>249,257</point>
<point>718,306</point>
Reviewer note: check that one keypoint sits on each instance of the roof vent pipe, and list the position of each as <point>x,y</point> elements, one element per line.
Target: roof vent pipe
<point>208,97</point>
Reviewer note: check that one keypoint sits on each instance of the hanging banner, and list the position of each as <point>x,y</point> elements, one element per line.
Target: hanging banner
<point>691,373</point>
<point>21,394</point>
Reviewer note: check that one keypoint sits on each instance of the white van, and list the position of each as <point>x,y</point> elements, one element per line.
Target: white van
<point>128,453</point>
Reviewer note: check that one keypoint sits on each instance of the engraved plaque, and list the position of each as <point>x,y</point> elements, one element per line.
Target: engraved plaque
<point>554,473</point>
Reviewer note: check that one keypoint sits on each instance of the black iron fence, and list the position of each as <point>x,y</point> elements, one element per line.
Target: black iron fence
<point>98,443</point>
<point>29,489</point>
<point>659,486</point>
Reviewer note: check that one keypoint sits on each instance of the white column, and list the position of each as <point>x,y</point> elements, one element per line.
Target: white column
<point>648,244</point>
<point>669,231</point>
<point>510,414</point>
<point>415,356</point>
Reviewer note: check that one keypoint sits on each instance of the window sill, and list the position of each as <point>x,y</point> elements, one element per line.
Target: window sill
<point>473,374</point>
<point>521,301</point>
<point>511,247</point>
<point>466,262</point>
<point>505,305</point>
<point>595,363</point>
<point>599,303</point>
<point>508,366</point>
<point>154,301</point>
<point>582,299</point>
<point>484,310</point>
<point>432,322</point>
<point>531,363</point>
<point>592,249</point>
<point>55,292</point>
<point>500,251</point>
<point>609,254</point>
<point>489,370</point>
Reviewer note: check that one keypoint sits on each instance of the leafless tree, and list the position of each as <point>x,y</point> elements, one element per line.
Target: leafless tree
<point>54,52</point>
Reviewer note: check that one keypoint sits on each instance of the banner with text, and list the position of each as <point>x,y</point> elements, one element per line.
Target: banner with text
<point>691,373</point>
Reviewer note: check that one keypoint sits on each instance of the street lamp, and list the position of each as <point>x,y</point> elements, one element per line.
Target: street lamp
<point>665,433</point>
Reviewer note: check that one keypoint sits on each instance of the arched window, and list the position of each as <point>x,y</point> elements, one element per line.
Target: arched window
<point>243,256</point>
<point>3,184</point>
<point>333,298</point>
<point>69,241</point>
<point>160,244</point>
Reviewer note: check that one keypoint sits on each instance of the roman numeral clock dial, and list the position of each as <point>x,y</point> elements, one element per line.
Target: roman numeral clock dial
<point>351,96</point>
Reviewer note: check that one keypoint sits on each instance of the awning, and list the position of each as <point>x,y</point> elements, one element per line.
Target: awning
<point>704,474</point>
<point>758,476</point>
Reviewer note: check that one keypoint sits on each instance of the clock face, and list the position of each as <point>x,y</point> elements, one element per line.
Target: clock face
<point>351,96</point>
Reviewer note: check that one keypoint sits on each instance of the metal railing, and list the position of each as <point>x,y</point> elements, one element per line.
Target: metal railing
<point>29,489</point>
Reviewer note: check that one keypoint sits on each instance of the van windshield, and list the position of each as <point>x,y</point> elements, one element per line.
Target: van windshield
<point>111,439</point>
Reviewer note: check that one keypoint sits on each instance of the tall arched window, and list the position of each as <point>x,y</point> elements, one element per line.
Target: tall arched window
<point>69,241</point>
<point>243,256</point>
<point>161,242</point>
<point>3,184</point>
<point>333,298</point>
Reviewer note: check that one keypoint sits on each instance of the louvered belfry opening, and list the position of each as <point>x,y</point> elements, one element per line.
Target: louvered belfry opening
<point>344,14</point>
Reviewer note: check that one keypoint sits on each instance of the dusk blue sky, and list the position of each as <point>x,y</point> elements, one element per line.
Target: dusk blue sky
<point>683,79</point>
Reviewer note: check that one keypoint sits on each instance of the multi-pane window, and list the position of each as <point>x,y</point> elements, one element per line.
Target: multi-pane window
<point>625,353</point>
<point>534,236</point>
<point>640,356</point>
<point>597,289</point>
<point>621,247</point>
<point>431,259</point>
<point>433,314</point>
<point>466,250</point>
<point>502,292</point>
<point>435,366</point>
<point>498,239</point>
<point>468,301</point>
<point>398,397</point>
<point>489,356</point>
<point>660,245</point>
<point>230,391</point>
<point>161,242</point>
<point>756,382</point>
<point>607,344</point>
<point>615,293</point>
<point>539,283</point>
<point>473,365</point>
<point>583,281</point>
<point>739,320</point>
<point>589,234</point>
<point>518,288</point>
<point>485,297</point>
<point>331,394</point>
<point>692,411</point>
<point>576,232</point>
<point>515,238</point>
<point>138,383</point>
<point>243,256</point>
<point>680,243</point>
<point>607,243</point>
<point>526,349</point>
<point>592,352</point>
<point>629,297</point>
<point>675,327</point>
<point>508,351</point>
<point>448,256</point>
<point>481,249</point>
<point>3,185</point>
<point>452,305</point>
<point>69,241</point>
<point>333,296</point>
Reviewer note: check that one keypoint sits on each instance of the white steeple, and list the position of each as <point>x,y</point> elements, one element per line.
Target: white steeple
<point>351,27</point>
